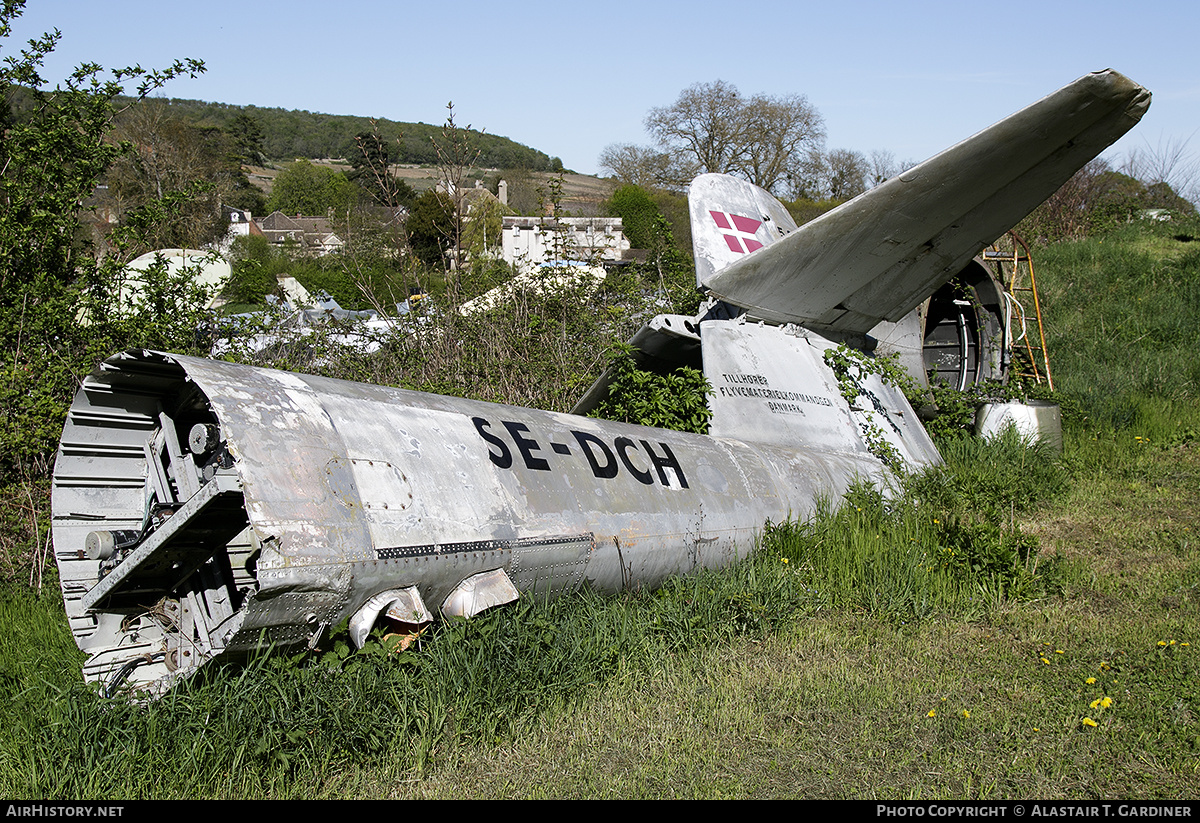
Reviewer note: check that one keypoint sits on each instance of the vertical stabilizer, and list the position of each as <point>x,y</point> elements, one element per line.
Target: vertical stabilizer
<point>730,219</point>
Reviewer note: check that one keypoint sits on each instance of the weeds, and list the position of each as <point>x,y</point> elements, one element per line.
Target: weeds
<point>677,400</point>
<point>920,554</point>
<point>278,723</point>
<point>996,479</point>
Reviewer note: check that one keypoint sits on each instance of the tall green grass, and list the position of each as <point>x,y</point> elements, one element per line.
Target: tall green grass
<point>1123,319</point>
<point>946,543</point>
<point>295,725</point>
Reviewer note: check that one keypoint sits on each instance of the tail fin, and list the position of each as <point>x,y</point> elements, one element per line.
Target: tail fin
<point>730,219</point>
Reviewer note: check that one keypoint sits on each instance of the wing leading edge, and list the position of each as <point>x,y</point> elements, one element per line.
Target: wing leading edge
<point>881,254</point>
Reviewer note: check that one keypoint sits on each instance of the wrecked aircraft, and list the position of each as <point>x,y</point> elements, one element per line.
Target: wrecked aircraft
<point>202,508</point>
<point>299,315</point>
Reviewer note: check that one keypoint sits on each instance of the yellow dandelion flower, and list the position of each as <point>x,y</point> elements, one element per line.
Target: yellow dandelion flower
<point>1090,680</point>
<point>966,714</point>
<point>1095,703</point>
<point>1059,651</point>
<point>1047,662</point>
<point>1162,642</point>
<point>784,559</point>
<point>1106,702</point>
<point>932,713</point>
<point>1185,644</point>
<point>1087,721</point>
<point>1036,729</point>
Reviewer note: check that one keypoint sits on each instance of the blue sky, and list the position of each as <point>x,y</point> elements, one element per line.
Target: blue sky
<point>570,78</point>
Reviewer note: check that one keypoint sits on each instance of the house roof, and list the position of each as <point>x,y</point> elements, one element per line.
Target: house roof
<point>311,232</point>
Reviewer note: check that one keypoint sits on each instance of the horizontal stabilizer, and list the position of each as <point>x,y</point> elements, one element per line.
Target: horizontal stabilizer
<point>881,254</point>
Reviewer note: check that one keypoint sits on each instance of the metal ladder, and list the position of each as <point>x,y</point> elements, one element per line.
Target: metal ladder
<point>1011,255</point>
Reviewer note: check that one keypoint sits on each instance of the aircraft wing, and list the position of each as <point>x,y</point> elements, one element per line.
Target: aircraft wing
<point>881,254</point>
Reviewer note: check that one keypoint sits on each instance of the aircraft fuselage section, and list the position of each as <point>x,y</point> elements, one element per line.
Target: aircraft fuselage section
<point>350,490</point>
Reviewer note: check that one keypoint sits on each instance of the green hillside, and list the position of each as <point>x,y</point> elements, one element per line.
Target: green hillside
<point>288,135</point>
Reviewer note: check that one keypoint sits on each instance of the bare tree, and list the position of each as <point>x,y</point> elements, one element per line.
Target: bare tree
<point>846,174</point>
<point>806,175</point>
<point>457,156</point>
<point>885,166</point>
<point>645,166</point>
<point>1170,162</point>
<point>707,122</point>
<point>1070,210</point>
<point>177,166</point>
<point>713,128</point>
<point>776,130</point>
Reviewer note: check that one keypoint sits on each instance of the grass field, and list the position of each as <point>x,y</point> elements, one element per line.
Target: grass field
<point>1016,626</point>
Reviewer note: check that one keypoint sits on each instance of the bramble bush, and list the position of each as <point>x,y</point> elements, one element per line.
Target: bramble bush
<point>64,305</point>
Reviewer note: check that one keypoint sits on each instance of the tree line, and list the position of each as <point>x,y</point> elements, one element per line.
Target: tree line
<point>167,153</point>
<point>289,134</point>
<point>778,143</point>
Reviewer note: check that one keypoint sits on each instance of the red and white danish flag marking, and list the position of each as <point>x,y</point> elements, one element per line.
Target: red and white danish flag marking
<point>741,241</point>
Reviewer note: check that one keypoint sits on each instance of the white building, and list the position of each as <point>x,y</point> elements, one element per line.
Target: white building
<point>529,242</point>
